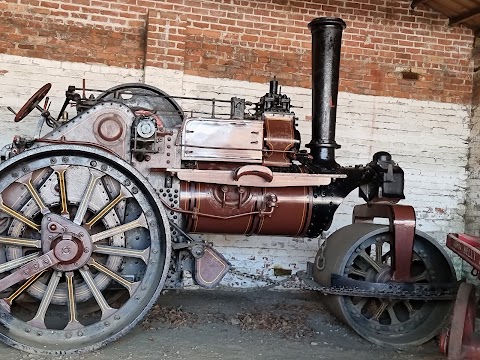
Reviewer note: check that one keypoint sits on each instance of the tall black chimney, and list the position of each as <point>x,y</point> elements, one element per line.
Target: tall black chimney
<point>326,45</point>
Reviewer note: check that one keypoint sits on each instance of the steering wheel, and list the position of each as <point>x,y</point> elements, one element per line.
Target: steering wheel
<point>33,102</point>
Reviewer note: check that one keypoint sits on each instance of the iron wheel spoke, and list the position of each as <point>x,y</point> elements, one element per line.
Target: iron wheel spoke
<point>18,216</point>
<point>39,319</point>
<point>140,222</point>
<point>106,309</point>
<point>409,307</point>
<point>360,305</point>
<point>121,251</point>
<point>9,300</point>
<point>370,261</point>
<point>33,243</point>
<point>393,316</point>
<point>420,277</point>
<point>357,272</point>
<point>73,323</point>
<point>131,286</point>
<point>378,252</point>
<point>87,195</point>
<point>106,209</point>
<point>60,171</point>
<point>381,309</point>
<point>35,195</point>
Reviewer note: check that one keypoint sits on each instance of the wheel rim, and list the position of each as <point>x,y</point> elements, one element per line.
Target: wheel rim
<point>113,253</point>
<point>382,321</point>
<point>462,325</point>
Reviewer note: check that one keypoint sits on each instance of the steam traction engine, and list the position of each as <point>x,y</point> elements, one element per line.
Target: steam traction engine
<point>96,215</point>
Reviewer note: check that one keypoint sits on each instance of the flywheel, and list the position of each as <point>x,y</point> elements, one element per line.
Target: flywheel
<point>362,252</point>
<point>84,249</point>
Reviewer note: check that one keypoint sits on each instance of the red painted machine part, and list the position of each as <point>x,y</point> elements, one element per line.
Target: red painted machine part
<point>460,342</point>
<point>402,225</point>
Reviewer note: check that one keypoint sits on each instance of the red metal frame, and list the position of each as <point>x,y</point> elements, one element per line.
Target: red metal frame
<point>467,247</point>
<point>402,226</point>
<point>460,342</point>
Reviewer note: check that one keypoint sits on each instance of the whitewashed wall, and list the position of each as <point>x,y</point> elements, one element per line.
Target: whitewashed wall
<point>428,140</point>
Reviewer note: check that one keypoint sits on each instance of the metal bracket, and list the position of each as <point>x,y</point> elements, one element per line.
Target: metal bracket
<point>402,223</point>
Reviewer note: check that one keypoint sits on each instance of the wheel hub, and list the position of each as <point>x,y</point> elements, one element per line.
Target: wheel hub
<point>71,243</point>
<point>384,275</point>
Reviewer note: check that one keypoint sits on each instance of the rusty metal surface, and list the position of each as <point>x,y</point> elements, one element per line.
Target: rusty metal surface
<point>210,268</point>
<point>402,224</point>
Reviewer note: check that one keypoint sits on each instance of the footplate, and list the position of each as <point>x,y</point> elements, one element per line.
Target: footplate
<point>210,268</point>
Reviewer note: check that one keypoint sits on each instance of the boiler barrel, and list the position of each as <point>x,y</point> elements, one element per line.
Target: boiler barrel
<point>236,210</point>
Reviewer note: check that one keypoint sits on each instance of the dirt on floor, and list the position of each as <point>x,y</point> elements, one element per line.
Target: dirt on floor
<point>235,325</point>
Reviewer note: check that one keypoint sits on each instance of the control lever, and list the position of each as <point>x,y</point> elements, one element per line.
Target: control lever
<point>46,115</point>
<point>46,105</point>
<point>11,110</point>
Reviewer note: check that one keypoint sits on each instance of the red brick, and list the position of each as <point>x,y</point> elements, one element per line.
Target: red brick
<point>250,40</point>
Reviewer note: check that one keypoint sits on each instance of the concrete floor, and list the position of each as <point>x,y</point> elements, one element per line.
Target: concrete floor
<point>235,325</point>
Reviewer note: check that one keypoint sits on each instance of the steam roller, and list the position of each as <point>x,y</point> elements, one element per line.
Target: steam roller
<point>97,215</point>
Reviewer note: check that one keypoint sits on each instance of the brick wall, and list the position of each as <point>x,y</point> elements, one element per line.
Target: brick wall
<point>231,48</point>
<point>250,40</point>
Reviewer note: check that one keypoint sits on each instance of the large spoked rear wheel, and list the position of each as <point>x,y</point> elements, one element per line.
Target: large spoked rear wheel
<point>362,252</point>
<point>100,222</point>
